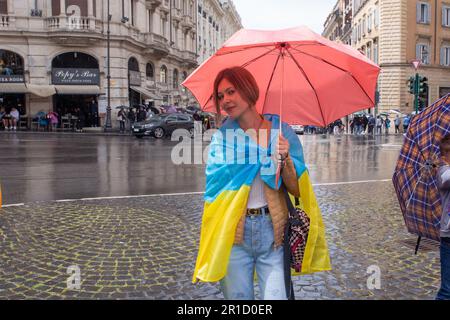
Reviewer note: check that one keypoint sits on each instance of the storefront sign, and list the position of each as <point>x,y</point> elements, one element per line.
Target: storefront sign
<point>16,78</point>
<point>75,76</point>
<point>135,78</point>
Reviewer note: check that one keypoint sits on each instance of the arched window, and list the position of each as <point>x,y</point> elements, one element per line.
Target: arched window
<point>163,74</point>
<point>75,60</point>
<point>149,71</point>
<point>184,75</point>
<point>10,63</point>
<point>133,64</point>
<point>175,79</point>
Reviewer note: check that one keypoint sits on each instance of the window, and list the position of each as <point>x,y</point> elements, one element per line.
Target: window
<point>175,79</point>
<point>375,51</point>
<point>423,13</point>
<point>204,14</point>
<point>163,74</point>
<point>364,26</point>
<point>369,22</point>
<point>3,6</point>
<point>369,51</point>
<point>446,16</point>
<point>376,17</point>
<point>200,9</point>
<point>423,53</point>
<point>445,56</point>
<point>149,71</point>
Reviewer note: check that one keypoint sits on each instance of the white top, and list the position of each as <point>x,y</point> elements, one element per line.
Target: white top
<point>15,114</point>
<point>256,198</point>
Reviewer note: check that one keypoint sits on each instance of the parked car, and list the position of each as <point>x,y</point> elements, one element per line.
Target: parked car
<point>298,129</point>
<point>163,125</point>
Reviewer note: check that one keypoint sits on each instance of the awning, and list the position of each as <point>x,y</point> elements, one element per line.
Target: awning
<point>145,92</point>
<point>41,90</point>
<point>66,89</point>
<point>13,88</point>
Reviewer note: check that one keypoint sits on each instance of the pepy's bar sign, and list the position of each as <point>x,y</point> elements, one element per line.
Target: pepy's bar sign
<point>75,76</point>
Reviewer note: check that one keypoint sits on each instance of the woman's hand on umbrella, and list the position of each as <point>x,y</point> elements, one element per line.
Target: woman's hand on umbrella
<point>283,148</point>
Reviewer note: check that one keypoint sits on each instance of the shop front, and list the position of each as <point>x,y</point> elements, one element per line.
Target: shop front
<point>12,82</point>
<point>76,78</point>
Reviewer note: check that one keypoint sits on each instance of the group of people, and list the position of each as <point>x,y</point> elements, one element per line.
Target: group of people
<point>142,113</point>
<point>9,117</point>
<point>369,124</point>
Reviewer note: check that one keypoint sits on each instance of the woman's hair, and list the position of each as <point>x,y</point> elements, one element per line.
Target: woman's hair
<point>242,80</point>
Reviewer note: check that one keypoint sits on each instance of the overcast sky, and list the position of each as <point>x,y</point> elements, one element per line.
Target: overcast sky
<point>281,14</point>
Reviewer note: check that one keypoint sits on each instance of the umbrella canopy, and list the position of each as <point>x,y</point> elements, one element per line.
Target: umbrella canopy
<point>414,177</point>
<point>313,80</point>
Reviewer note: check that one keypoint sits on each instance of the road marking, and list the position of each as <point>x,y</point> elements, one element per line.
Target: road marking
<point>187,193</point>
<point>12,205</point>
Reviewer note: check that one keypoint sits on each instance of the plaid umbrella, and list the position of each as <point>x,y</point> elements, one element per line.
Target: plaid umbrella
<point>415,175</point>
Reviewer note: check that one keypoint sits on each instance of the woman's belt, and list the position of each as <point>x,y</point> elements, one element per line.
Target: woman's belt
<point>257,211</point>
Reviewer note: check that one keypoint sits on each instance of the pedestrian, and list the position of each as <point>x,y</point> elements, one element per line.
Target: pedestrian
<point>121,117</point>
<point>397,124</point>
<point>93,108</point>
<point>365,123</point>
<point>15,118</point>
<point>371,124</point>
<point>52,120</point>
<point>337,127</point>
<point>444,186</point>
<point>379,124</point>
<point>131,117</point>
<point>242,228</point>
<point>387,125</point>
<point>357,124</point>
<point>406,121</point>
<point>352,126</point>
<point>141,115</point>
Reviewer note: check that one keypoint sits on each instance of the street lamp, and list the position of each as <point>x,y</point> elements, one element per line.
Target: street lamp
<point>108,125</point>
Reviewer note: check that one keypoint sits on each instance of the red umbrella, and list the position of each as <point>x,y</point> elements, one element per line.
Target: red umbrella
<point>311,80</point>
<point>301,75</point>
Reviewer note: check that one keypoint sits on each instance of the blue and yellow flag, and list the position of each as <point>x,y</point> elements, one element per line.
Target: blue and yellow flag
<point>234,161</point>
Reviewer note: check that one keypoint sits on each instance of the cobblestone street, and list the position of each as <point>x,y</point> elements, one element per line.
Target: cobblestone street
<point>145,247</point>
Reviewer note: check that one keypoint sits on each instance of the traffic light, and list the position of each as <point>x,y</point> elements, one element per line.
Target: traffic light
<point>411,85</point>
<point>423,86</point>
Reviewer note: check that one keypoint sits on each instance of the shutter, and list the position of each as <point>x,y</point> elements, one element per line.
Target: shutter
<point>428,14</point>
<point>444,18</point>
<point>442,59</point>
<point>418,52</point>
<point>418,12</point>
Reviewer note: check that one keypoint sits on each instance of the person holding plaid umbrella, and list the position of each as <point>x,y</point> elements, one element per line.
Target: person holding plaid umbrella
<point>443,179</point>
<point>422,181</point>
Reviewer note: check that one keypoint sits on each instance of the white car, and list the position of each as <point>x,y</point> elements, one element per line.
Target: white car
<point>299,129</point>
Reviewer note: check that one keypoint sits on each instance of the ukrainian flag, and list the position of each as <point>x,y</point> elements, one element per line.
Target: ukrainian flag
<point>234,161</point>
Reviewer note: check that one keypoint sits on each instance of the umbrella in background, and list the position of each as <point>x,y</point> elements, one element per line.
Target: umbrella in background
<point>414,177</point>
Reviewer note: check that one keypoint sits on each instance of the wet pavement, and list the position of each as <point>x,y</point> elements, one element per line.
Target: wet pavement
<point>38,167</point>
<point>145,247</point>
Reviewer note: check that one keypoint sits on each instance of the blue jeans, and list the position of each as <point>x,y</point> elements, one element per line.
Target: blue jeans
<point>444,291</point>
<point>256,252</point>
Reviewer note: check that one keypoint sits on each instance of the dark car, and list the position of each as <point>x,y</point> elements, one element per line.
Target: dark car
<point>163,125</point>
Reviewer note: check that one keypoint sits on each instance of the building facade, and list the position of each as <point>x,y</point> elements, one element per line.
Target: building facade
<point>393,33</point>
<point>333,29</point>
<point>217,21</point>
<point>53,54</point>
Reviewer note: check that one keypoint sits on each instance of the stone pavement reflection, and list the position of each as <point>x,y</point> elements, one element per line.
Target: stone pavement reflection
<point>145,248</point>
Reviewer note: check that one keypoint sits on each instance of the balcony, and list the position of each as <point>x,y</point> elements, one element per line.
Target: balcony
<point>190,59</point>
<point>152,4</point>
<point>78,27</point>
<point>157,44</point>
<point>187,22</point>
<point>4,22</point>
